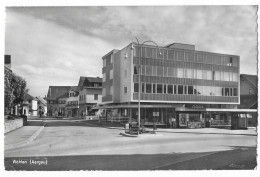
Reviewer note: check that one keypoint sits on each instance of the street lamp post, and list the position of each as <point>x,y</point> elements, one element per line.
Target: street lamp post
<point>139,75</point>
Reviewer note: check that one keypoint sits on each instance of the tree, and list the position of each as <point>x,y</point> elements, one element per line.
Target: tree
<point>15,89</point>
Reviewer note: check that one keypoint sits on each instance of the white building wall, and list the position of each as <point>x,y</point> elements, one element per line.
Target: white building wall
<point>90,99</point>
<point>34,107</point>
<point>125,81</point>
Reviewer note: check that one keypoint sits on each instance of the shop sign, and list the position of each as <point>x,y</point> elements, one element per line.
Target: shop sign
<point>195,106</point>
<point>155,114</point>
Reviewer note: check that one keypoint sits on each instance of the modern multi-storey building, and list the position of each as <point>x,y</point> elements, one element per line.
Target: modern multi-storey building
<point>178,84</point>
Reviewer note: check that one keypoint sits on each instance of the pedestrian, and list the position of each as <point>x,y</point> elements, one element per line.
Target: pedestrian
<point>170,123</point>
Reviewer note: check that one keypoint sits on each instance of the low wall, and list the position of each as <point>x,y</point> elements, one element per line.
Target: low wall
<point>13,124</point>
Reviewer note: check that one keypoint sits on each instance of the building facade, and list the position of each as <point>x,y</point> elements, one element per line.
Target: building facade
<point>179,85</point>
<point>249,97</point>
<point>54,93</point>
<point>90,94</point>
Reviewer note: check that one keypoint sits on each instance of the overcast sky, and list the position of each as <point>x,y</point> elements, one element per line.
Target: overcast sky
<point>57,45</point>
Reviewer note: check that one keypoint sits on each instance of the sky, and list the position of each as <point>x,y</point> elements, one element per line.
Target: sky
<point>54,46</point>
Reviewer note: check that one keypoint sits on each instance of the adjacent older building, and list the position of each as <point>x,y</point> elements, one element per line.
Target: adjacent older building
<point>249,97</point>
<point>75,101</point>
<point>90,94</point>
<point>178,83</point>
<point>54,93</point>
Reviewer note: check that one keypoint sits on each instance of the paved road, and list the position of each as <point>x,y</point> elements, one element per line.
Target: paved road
<point>81,145</point>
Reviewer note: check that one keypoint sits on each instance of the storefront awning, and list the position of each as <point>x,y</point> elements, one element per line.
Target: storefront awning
<point>132,106</point>
<point>217,110</point>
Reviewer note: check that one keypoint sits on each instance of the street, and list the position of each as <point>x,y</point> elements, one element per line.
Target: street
<point>77,145</point>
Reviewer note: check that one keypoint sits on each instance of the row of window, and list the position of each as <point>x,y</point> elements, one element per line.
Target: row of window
<point>186,73</point>
<point>82,97</point>
<point>62,101</point>
<point>72,103</point>
<point>53,102</point>
<point>186,89</point>
<point>188,56</point>
<point>108,59</point>
<point>110,75</point>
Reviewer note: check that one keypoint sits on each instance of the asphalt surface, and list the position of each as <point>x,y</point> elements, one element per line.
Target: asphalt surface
<point>238,159</point>
<point>73,145</point>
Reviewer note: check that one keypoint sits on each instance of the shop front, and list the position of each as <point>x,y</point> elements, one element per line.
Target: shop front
<point>178,116</point>
<point>149,114</point>
<point>212,118</point>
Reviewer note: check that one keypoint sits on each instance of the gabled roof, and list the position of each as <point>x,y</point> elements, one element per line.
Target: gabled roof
<point>250,78</point>
<point>42,100</point>
<point>248,101</point>
<point>56,91</point>
<point>28,97</point>
<point>83,80</point>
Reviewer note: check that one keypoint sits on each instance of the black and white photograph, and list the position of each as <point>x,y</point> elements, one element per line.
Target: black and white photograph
<point>130,88</point>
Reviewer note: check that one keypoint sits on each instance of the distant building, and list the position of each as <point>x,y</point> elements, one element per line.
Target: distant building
<point>75,101</point>
<point>248,84</point>
<point>54,93</point>
<point>29,106</point>
<point>90,94</point>
<point>72,103</point>
<point>42,105</point>
<point>249,96</point>
<point>8,61</point>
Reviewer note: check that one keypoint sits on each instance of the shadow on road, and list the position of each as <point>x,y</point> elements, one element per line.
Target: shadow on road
<point>238,159</point>
<point>35,123</point>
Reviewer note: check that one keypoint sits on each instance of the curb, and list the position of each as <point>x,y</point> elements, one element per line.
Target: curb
<point>30,139</point>
<point>128,135</point>
<point>140,135</point>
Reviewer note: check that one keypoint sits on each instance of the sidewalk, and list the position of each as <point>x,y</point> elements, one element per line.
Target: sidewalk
<point>249,131</point>
<point>23,135</point>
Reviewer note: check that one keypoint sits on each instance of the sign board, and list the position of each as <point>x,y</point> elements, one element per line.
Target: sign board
<point>195,106</point>
<point>127,126</point>
<point>155,114</point>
